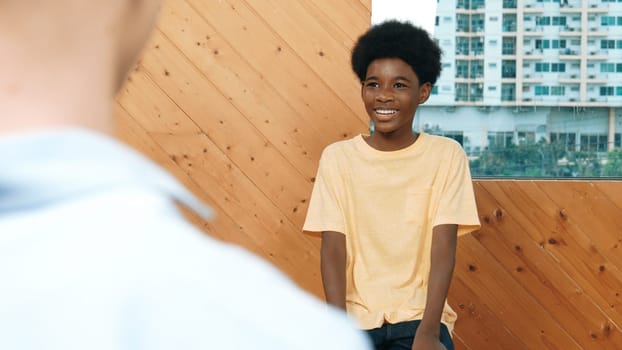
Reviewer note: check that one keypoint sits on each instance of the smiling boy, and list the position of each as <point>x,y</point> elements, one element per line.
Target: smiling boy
<point>391,205</point>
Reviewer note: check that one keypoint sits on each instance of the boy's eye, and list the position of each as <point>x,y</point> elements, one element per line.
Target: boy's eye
<point>399,85</point>
<point>372,84</point>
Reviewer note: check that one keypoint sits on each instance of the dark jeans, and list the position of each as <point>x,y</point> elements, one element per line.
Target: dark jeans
<point>400,336</point>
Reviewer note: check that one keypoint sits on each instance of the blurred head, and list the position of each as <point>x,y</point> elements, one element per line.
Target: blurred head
<point>63,61</point>
<point>49,33</point>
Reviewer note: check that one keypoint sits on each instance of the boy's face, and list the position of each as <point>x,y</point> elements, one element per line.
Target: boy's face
<point>391,94</point>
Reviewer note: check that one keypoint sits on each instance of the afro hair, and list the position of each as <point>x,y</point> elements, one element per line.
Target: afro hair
<point>403,40</point>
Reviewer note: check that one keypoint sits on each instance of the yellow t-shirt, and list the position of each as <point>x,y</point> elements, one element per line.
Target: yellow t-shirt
<point>386,204</point>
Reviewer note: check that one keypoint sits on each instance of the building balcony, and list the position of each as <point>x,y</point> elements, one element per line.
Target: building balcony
<point>598,31</point>
<point>597,55</point>
<point>597,7</point>
<point>569,78</point>
<point>531,5</point>
<point>533,31</point>
<point>572,31</point>
<point>531,78</point>
<point>569,9</point>
<point>597,78</point>
<point>569,53</point>
<point>532,54</point>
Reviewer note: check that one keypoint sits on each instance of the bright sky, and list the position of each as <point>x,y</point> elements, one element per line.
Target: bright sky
<point>419,12</point>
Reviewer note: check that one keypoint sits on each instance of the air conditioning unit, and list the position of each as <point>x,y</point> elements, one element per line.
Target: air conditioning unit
<point>592,99</point>
<point>572,99</point>
<point>574,76</point>
<point>527,76</point>
<point>592,76</point>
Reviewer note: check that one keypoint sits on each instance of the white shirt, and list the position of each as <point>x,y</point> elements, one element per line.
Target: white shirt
<point>95,255</point>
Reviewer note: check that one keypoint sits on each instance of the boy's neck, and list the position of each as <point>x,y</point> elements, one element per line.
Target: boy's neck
<point>390,142</point>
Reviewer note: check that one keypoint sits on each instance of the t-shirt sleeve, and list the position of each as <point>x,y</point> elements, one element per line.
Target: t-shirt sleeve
<point>325,211</point>
<point>457,200</point>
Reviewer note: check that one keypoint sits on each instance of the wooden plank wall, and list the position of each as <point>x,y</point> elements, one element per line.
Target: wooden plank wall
<point>238,98</point>
<point>545,270</point>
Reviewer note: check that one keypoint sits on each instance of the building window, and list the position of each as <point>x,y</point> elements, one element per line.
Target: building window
<point>509,23</point>
<point>606,91</point>
<point>568,140</point>
<point>508,92</point>
<point>559,21</point>
<point>500,139</point>
<point>509,46</point>
<point>558,90</point>
<point>476,92</point>
<point>508,68</point>
<point>509,4</point>
<point>462,92</point>
<point>543,21</point>
<point>607,68</point>
<point>596,142</point>
<point>462,69</point>
<point>608,20</point>
<point>542,67</point>
<point>607,44</point>
<point>558,67</point>
<point>462,46</point>
<point>477,69</point>
<point>477,23</point>
<point>477,46</point>
<point>476,4</point>
<point>462,23</point>
<point>526,137</point>
<point>542,90</point>
<point>559,44</point>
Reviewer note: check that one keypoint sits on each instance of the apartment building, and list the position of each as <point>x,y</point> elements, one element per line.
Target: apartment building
<point>523,70</point>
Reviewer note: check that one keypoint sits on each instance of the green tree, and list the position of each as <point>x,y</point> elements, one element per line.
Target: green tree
<point>543,159</point>
<point>614,164</point>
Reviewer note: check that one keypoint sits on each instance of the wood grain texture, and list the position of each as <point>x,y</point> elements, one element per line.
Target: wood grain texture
<point>238,98</point>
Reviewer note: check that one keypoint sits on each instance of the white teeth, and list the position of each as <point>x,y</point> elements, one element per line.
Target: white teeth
<point>386,111</point>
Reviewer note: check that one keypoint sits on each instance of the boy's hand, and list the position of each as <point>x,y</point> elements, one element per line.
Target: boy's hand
<point>424,341</point>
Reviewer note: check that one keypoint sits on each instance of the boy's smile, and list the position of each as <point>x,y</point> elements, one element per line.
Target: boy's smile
<point>391,94</point>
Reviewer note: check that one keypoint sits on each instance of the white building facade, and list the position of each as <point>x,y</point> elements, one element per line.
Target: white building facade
<point>518,71</point>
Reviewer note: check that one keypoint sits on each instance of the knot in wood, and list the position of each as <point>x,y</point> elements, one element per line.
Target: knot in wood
<point>498,213</point>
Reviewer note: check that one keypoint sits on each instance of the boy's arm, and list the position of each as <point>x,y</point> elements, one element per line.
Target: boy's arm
<point>333,266</point>
<point>443,257</point>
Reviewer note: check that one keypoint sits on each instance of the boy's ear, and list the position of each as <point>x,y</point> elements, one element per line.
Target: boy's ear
<point>424,92</point>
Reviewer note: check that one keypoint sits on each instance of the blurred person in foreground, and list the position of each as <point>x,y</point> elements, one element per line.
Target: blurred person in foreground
<point>94,253</point>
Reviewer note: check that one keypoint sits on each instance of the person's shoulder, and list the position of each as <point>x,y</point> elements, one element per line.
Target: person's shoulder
<point>342,144</point>
<point>341,148</point>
